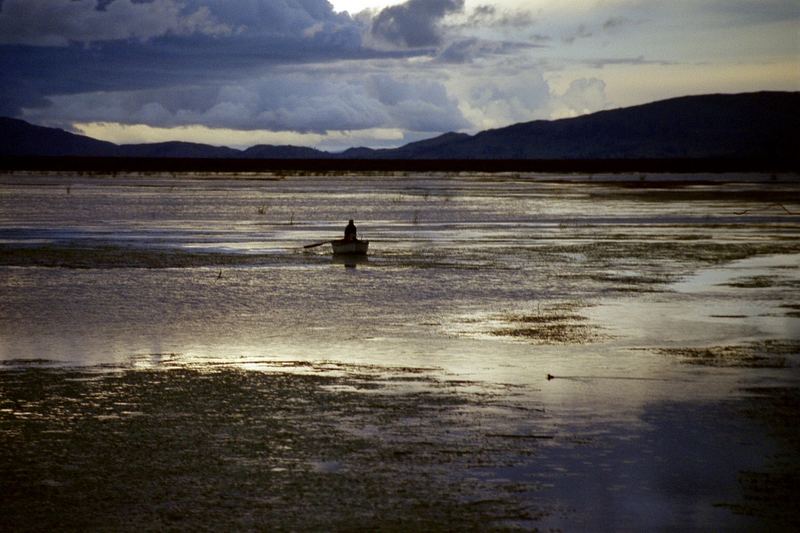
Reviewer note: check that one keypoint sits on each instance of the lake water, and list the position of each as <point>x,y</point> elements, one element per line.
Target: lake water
<point>655,305</point>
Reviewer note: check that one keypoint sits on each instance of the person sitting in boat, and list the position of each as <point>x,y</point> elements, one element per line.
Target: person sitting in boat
<point>350,232</point>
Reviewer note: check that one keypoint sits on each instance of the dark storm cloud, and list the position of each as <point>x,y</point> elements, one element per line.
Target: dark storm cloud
<point>59,22</point>
<point>298,101</point>
<point>415,23</point>
<point>62,47</point>
<point>298,65</point>
<point>27,74</point>
<point>239,64</point>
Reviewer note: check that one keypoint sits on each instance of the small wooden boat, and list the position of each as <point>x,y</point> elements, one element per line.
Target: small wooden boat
<point>343,247</point>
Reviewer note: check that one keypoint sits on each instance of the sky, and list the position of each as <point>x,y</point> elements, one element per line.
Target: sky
<point>373,73</point>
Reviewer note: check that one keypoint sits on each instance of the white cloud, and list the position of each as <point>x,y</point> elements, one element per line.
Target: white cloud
<point>332,141</point>
<point>493,96</point>
<point>584,95</point>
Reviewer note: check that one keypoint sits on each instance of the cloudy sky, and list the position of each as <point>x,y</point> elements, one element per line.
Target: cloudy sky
<point>373,72</point>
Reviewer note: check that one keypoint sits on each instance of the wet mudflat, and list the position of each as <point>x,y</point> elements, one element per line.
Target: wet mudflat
<point>215,448</point>
<point>518,352</point>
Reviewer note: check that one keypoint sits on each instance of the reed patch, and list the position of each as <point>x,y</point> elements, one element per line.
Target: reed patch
<point>765,354</point>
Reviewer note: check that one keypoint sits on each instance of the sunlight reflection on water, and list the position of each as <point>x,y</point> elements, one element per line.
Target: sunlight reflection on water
<point>444,248</point>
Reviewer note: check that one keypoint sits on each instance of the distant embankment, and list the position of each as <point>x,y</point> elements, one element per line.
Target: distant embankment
<point>220,165</point>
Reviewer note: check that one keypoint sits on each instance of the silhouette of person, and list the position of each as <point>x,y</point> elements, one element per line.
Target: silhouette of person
<point>350,232</point>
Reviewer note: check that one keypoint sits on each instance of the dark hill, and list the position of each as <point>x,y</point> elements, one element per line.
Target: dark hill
<point>269,151</point>
<point>434,148</point>
<point>176,149</point>
<point>756,126</point>
<point>753,125</point>
<point>19,138</point>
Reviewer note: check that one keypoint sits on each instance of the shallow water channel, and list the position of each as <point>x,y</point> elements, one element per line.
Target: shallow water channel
<point>535,351</point>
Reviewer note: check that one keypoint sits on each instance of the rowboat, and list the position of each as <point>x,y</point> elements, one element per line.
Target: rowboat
<point>343,247</point>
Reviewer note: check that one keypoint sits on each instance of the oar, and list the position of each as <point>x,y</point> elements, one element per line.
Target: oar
<point>316,244</point>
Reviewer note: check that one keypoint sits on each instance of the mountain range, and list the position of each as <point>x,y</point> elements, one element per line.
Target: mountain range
<point>760,125</point>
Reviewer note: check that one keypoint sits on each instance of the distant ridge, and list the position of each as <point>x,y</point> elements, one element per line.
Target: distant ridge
<point>268,151</point>
<point>434,148</point>
<point>19,138</point>
<point>752,126</point>
<point>176,149</point>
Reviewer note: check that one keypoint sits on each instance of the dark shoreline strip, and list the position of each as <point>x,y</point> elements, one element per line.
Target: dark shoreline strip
<point>123,164</point>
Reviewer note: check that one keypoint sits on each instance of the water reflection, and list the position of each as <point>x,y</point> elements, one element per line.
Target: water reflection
<point>349,260</point>
<point>487,284</point>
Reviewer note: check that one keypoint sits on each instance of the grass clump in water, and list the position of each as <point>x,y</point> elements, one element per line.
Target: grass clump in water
<point>558,323</point>
<point>766,354</point>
